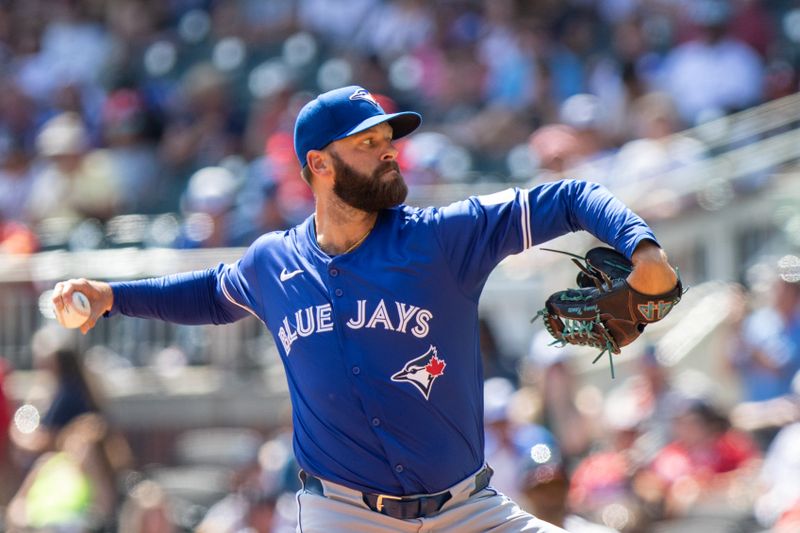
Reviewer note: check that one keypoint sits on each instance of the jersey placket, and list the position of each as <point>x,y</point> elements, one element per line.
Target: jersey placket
<point>342,302</point>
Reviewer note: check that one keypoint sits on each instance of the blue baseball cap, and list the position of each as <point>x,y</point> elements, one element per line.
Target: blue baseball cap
<point>343,112</point>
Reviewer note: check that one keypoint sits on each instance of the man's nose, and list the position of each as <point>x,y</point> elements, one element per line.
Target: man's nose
<point>390,154</point>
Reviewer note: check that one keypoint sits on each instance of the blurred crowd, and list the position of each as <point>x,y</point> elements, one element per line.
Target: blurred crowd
<point>151,123</point>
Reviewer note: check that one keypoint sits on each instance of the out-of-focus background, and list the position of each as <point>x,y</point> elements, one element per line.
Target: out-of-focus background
<point>145,137</point>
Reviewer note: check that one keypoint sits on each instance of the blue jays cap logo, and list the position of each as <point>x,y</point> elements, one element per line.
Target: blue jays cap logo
<point>422,371</point>
<point>363,94</point>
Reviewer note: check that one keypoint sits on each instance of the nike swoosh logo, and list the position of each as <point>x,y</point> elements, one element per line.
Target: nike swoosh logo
<point>285,275</point>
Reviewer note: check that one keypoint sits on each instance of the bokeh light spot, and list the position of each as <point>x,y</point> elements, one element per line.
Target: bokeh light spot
<point>541,453</point>
<point>26,419</point>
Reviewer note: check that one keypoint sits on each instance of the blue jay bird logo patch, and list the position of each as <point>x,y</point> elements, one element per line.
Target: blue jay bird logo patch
<point>363,94</point>
<point>422,371</point>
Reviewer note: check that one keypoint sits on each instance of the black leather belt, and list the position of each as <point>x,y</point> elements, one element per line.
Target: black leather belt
<point>403,507</point>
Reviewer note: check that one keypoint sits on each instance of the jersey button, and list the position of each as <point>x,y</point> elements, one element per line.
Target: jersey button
<point>338,292</point>
<point>376,421</point>
<point>334,272</point>
<point>398,468</point>
<point>356,370</point>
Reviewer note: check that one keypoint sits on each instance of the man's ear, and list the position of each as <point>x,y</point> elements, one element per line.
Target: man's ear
<point>318,162</point>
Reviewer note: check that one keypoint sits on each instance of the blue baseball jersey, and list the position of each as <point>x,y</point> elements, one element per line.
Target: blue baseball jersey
<point>380,345</point>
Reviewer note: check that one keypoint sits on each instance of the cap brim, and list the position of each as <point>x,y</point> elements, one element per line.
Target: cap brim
<point>402,124</point>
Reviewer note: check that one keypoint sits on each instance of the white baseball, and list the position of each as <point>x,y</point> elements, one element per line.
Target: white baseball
<point>75,313</point>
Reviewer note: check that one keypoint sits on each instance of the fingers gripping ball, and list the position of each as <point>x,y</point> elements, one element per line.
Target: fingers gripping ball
<point>76,311</point>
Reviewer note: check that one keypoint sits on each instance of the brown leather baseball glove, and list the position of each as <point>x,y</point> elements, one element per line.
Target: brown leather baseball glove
<point>604,311</point>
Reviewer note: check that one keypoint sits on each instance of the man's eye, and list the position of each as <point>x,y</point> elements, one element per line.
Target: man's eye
<point>369,142</point>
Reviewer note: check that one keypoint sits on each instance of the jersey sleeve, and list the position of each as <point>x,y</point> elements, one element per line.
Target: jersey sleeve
<point>477,233</point>
<point>218,295</point>
<point>238,283</point>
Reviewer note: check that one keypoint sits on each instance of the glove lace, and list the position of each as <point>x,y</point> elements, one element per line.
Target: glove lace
<point>581,332</point>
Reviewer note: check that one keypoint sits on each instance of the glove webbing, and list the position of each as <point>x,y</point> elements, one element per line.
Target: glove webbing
<point>575,329</point>
<point>581,332</point>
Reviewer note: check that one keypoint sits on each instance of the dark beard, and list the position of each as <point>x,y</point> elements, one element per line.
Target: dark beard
<point>368,192</point>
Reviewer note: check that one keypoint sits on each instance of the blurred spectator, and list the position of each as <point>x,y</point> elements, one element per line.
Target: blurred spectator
<point>584,114</point>
<point>15,178</point>
<point>753,23</point>
<point>602,486</point>
<point>556,148</point>
<point>16,238</point>
<point>207,205</point>
<point>543,481</point>
<point>653,401</point>
<point>146,510</point>
<point>67,59</point>
<point>575,38</point>
<point>429,158</point>
<point>73,392</point>
<point>655,149</point>
<point>705,465</point>
<point>501,452</point>
<point>258,492</point>
<point>789,521</point>
<point>780,477</point>
<point>396,27</point>
<point>510,65</point>
<point>204,127</point>
<point>495,362</point>
<point>557,383</point>
<point>489,132</point>
<point>72,488</point>
<point>293,193</point>
<point>73,182</point>
<point>19,117</point>
<point>272,115</point>
<point>714,74</point>
<point>73,50</point>
<point>267,23</point>
<point>258,209</point>
<point>768,354</point>
<point>7,474</point>
<point>658,399</point>
<point>5,410</point>
<point>335,23</point>
<point>620,75</point>
<point>128,134</point>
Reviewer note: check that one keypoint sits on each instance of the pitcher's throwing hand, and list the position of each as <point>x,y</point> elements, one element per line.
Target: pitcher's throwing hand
<point>98,296</point>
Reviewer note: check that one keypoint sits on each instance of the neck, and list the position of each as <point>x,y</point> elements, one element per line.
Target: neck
<point>341,228</point>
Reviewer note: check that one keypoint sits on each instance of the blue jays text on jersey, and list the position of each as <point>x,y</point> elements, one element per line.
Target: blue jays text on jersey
<point>380,345</point>
<point>318,319</point>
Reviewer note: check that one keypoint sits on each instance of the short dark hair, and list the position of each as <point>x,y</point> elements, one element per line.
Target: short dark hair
<point>306,174</point>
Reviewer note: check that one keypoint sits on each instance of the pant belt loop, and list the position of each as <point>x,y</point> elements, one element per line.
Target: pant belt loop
<point>311,483</point>
<point>482,479</point>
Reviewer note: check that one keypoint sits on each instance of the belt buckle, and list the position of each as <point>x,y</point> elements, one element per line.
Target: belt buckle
<point>381,497</point>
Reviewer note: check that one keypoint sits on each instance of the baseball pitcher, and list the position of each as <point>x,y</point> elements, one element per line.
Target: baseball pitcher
<point>374,307</point>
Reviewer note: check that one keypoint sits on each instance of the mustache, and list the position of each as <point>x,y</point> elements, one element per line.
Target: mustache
<point>387,166</point>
